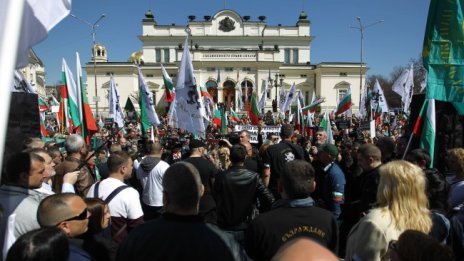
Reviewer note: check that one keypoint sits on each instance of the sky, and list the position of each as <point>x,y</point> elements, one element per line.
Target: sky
<point>387,45</point>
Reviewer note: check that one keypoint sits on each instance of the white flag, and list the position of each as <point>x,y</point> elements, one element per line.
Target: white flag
<point>289,99</point>
<point>262,100</point>
<point>148,116</point>
<point>115,110</point>
<point>382,102</point>
<point>362,103</point>
<point>404,86</point>
<point>38,19</point>
<point>188,109</point>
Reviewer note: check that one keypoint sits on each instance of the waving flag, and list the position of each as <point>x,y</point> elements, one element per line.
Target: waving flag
<point>345,104</point>
<point>404,87</point>
<point>43,105</point>
<point>425,128</point>
<point>253,111</point>
<point>188,109</point>
<point>148,116</point>
<point>382,102</point>
<point>289,99</point>
<point>312,107</point>
<point>233,116</point>
<point>71,87</point>
<point>88,123</point>
<point>115,110</point>
<point>262,100</point>
<point>325,124</point>
<point>168,85</point>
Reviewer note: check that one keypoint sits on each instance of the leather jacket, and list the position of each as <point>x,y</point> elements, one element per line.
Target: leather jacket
<point>235,192</point>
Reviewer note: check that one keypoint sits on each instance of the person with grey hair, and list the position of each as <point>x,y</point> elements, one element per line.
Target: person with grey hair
<point>19,200</point>
<point>180,233</point>
<point>77,153</point>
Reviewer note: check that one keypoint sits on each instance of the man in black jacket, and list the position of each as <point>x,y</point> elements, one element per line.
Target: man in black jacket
<point>235,191</point>
<point>180,233</point>
<point>279,154</point>
<point>293,216</point>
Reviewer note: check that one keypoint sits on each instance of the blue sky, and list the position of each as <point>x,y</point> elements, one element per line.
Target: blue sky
<point>386,45</point>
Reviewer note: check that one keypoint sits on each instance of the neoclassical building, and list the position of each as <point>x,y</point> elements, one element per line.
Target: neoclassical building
<point>228,50</point>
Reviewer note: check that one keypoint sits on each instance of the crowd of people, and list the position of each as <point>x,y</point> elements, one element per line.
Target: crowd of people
<point>169,195</point>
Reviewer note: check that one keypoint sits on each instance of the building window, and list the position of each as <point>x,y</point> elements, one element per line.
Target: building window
<point>343,74</point>
<point>154,97</point>
<point>341,94</point>
<point>149,75</point>
<point>287,56</point>
<point>246,69</point>
<point>295,56</point>
<point>229,69</point>
<point>307,97</point>
<point>210,69</point>
<point>166,55</point>
<point>158,55</point>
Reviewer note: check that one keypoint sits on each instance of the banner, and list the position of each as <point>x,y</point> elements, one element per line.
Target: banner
<point>265,130</point>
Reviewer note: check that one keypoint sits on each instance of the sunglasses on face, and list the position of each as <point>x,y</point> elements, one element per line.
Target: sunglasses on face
<point>81,216</point>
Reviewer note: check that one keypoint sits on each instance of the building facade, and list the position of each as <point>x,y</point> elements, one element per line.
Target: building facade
<point>228,51</point>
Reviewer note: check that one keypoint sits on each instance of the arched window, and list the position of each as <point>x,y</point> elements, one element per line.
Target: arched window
<point>211,86</point>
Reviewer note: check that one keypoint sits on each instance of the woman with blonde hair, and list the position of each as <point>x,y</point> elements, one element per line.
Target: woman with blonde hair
<point>402,205</point>
<point>456,167</point>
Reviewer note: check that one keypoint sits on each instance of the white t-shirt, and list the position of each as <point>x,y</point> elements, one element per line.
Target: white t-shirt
<point>152,184</point>
<point>126,204</point>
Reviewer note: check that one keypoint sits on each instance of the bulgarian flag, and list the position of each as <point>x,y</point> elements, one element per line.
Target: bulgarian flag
<point>73,96</point>
<point>325,124</point>
<point>312,107</point>
<point>168,85</point>
<point>204,92</point>
<point>63,114</point>
<point>89,125</point>
<point>43,130</point>
<point>217,119</point>
<point>425,128</point>
<point>253,111</point>
<point>43,106</point>
<point>345,103</point>
<point>233,116</point>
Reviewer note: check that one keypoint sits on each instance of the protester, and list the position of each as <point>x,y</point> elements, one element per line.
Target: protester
<point>180,233</point>
<point>401,190</point>
<point>40,245</point>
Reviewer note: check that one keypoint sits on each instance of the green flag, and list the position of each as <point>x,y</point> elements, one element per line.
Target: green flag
<point>443,55</point>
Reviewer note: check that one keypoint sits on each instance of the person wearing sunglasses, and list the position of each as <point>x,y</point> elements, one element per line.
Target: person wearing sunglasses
<point>69,213</point>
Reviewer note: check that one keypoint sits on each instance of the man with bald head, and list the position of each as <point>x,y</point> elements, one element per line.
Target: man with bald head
<point>150,173</point>
<point>180,233</point>
<point>69,213</point>
<point>303,249</point>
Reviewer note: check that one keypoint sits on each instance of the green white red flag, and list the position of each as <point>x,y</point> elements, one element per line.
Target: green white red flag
<point>425,128</point>
<point>233,116</point>
<point>71,87</point>
<point>345,104</point>
<point>312,107</point>
<point>253,111</point>
<point>168,85</point>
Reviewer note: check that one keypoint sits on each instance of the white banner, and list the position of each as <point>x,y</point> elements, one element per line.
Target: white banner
<point>253,129</point>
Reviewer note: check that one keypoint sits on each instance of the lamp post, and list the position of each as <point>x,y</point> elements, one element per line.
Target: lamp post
<point>93,27</point>
<point>276,85</point>
<point>361,29</point>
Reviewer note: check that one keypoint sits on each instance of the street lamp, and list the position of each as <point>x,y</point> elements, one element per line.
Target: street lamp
<point>276,85</point>
<point>93,27</point>
<point>361,29</point>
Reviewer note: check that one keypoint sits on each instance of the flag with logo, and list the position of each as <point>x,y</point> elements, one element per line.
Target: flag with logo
<point>189,112</point>
<point>115,110</point>
<point>168,85</point>
<point>443,55</point>
<point>262,100</point>
<point>289,99</point>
